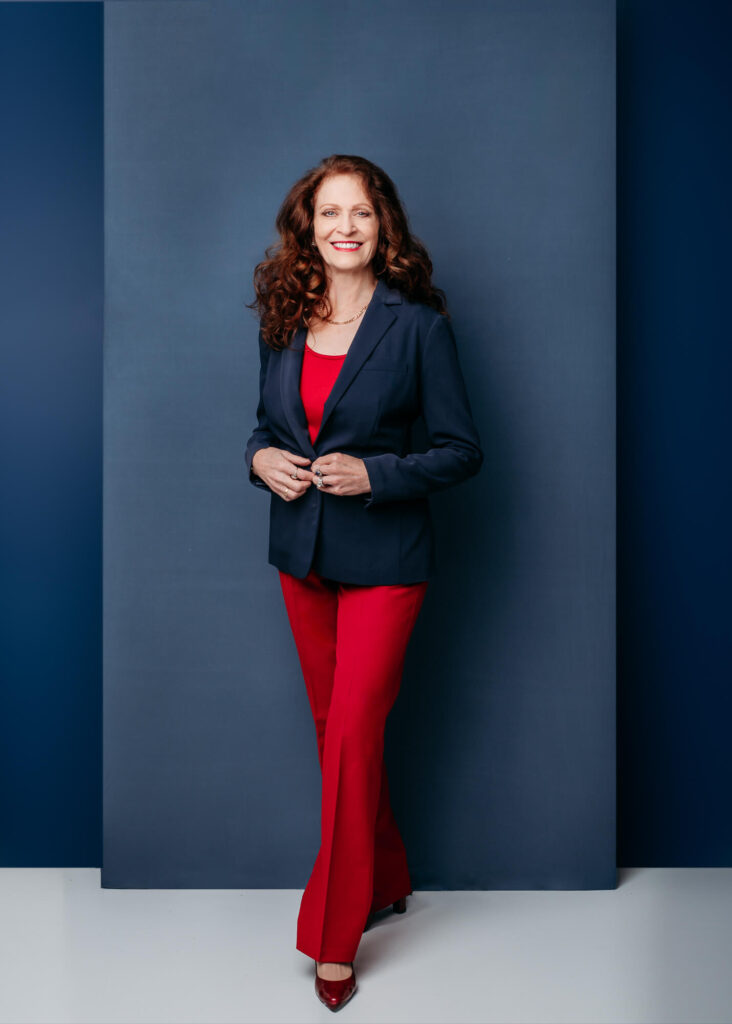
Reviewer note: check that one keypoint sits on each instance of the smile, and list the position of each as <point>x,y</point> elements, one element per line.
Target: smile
<point>347,246</point>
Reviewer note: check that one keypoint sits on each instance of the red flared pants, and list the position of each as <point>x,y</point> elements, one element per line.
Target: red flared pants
<point>351,640</point>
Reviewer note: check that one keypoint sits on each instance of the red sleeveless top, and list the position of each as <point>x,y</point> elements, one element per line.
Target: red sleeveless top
<point>319,371</point>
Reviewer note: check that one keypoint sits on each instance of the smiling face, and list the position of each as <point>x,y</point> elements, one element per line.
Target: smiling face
<point>343,213</point>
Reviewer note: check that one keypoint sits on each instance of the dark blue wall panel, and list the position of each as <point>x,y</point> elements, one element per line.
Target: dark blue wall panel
<point>674,430</point>
<point>51,276</point>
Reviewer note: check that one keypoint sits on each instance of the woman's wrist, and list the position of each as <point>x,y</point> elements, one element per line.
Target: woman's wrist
<point>254,460</point>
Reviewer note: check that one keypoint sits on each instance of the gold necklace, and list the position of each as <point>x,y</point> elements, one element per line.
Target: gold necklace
<point>340,323</point>
<point>350,320</point>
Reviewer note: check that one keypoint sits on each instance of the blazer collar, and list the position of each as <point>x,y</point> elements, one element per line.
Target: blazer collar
<point>375,322</point>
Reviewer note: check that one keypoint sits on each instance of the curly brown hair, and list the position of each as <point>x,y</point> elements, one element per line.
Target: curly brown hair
<point>290,283</point>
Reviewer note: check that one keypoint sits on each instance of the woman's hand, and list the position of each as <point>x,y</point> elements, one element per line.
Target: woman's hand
<point>276,467</point>
<point>341,474</point>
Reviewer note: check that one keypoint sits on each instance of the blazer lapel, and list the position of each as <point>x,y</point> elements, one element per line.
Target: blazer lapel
<point>377,319</point>
<point>291,359</point>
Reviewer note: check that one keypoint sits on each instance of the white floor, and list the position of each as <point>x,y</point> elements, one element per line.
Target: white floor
<point>657,949</point>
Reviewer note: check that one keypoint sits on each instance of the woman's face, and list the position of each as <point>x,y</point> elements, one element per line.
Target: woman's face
<point>344,213</point>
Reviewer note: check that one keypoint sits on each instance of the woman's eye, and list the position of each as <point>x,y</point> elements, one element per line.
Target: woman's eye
<point>366,213</point>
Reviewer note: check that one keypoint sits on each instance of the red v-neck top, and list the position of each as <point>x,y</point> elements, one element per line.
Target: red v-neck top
<point>317,377</point>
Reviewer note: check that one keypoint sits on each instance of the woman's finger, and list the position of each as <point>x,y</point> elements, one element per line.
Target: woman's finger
<point>300,460</point>
<point>294,487</point>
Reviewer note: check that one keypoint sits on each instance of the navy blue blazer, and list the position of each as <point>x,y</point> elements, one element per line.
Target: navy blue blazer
<point>402,363</point>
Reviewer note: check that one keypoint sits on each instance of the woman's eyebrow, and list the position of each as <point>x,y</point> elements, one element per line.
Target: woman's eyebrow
<point>355,205</point>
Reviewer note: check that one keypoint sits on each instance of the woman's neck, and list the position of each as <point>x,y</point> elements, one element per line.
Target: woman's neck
<point>347,295</point>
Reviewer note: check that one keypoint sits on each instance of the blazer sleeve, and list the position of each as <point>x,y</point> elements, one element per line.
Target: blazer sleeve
<point>456,453</point>
<point>262,436</point>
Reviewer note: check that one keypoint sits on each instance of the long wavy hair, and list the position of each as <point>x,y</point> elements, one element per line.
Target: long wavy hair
<point>290,283</point>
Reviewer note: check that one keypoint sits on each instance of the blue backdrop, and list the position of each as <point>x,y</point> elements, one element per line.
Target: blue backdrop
<point>674,759</point>
<point>497,123</point>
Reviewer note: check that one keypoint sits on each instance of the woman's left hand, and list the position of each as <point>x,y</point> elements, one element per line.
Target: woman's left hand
<point>340,474</point>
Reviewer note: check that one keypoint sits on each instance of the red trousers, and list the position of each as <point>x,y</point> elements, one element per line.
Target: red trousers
<point>351,641</point>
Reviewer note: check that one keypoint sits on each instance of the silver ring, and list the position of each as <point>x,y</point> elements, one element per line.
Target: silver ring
<point>294,476</point>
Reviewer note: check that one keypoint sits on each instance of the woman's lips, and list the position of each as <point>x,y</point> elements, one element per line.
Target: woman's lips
<point>347,246</point>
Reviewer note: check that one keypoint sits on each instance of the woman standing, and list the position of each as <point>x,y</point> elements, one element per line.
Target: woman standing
<point>355,344</point>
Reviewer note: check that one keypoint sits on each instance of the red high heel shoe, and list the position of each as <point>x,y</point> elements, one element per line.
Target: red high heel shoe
<point>334,994</point>
<point>399,907</point>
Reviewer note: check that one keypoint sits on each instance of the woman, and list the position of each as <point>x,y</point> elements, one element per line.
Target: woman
<point>355,344</point>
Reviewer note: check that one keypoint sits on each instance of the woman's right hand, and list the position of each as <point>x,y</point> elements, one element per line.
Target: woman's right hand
<point>276,465</point>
